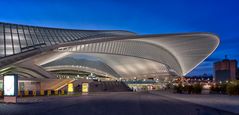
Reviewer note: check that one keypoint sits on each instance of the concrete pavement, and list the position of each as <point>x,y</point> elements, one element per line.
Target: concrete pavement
<point>217,101</point>
<point>121,103</point>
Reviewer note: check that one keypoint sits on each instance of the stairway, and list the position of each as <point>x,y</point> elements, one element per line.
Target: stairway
<point>55,84</point>
<point>108,86</point>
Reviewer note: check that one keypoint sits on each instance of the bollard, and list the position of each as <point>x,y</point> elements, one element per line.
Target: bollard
<point>26,93</point>
<point>42,92</point>
<point>48,92</point>
<point>56,92</point>
<point>62,92</point>
<point>19,93</point>
<point>34,92</point>
<point>1,94</point>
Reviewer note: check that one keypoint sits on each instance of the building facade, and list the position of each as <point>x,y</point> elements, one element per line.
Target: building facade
<point>225,70</point>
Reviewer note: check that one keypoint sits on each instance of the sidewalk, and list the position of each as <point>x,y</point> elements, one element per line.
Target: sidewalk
<point>222,102</point>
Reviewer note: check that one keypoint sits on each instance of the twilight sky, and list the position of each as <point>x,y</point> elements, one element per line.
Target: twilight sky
<point>220,17</point>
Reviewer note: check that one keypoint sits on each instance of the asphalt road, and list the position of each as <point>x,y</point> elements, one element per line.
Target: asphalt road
<point>125,103</point>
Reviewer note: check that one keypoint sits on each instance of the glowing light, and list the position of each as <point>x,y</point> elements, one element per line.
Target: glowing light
<point>85,87</point>
<point>206,86</point>
<point>70,87</point>
<point>9,85</point>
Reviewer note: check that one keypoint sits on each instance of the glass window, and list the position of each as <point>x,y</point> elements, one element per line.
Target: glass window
<point>26,30</point>
<point>22,40</point>
<point>29,40</point>
<point>51,40</point>
<point>28,37</point>
<point>48,36</point>
<point>72,35</point>
<point>9,48</point>
<point>40,39</point>
<point>7,28</point>
<point>16,43</point>
<point>38,35</point>
<point>47,41</point>
<point>67,36</point>
<point>14,29</point>
<point>31,30</point>
<point>56,39</point>
<point>20,29</point>
<point>61,39</point>
<point>42,32</point>
<point>1,45</point>
<point>44,38</point>
<point>34,38</point>
<point>1,28</point>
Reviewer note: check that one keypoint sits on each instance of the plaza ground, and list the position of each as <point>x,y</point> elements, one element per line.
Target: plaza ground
<point>121,103</point>
<point>217,101</point>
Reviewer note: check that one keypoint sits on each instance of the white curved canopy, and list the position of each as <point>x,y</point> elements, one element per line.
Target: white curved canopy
<point>181,52</point>
<point>124,52</point>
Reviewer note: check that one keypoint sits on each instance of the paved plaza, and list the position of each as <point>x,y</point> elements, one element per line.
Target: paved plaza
<point>123,103</point>
<point>217,101</point>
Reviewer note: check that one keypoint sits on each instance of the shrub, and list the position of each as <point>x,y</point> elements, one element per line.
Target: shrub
<point>179,88</point>
<point>145,88</point>
<point>223,88</point>
<point>233,88</point>
<point>219,88</point>
<point>188,89</point>
<point>197,89</point>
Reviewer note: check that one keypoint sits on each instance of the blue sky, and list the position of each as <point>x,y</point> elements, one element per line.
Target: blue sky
<point>143,17</point>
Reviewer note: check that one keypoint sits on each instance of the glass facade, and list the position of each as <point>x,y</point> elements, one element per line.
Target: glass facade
<point>15,39</point>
